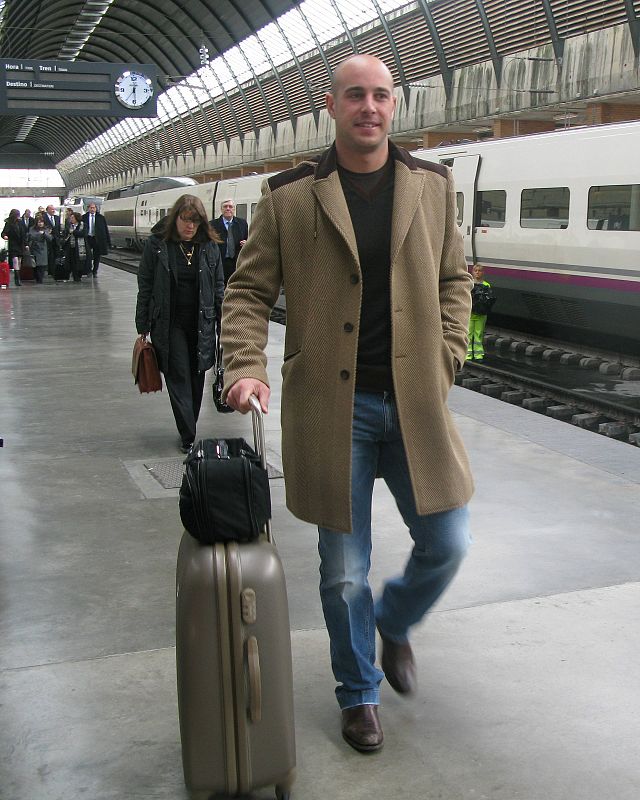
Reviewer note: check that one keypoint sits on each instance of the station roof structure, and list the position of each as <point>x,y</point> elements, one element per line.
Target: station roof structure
<point>168,33</point>
<point>230,69</point>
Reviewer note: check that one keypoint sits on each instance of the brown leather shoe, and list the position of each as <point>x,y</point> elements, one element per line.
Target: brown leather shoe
<point>399,666</point>
<point>361,728</point>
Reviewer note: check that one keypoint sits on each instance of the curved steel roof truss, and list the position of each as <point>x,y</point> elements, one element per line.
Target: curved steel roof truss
<point>266,75</point>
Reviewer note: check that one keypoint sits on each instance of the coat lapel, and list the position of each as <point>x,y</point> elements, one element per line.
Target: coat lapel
<point>330,197</point>
<point>407,194</point>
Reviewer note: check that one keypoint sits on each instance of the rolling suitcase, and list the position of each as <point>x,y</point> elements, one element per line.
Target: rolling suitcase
<point>233,659</point>
<point>5,274</point>
<point>27,268</point>
<point>60,269</point>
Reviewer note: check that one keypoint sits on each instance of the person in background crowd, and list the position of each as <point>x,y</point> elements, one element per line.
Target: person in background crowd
<point>38,241</point>
<point>14,233</point>
<point>98,239</point>
<point>52,222</point>
<point>26,221</point>
<point>67,217</point>
<point>365,240</point>
<point>180,291</point>
<point>482,300</point>
<point>233,231</point>
<point>75,245</point>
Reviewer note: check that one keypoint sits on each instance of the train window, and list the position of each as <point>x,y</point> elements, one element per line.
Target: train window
<point>459,207</point>
<point>491,209</point>
<point>614,208</point>
<point>545,208</point>
<point>241,210</point>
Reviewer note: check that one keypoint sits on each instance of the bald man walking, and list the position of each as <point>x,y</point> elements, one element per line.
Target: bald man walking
<point>365,240</point>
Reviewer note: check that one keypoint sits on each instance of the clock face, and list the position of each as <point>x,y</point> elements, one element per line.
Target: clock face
<point>133,89</point>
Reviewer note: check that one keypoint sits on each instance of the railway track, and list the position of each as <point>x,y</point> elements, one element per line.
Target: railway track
<point>594,395</point>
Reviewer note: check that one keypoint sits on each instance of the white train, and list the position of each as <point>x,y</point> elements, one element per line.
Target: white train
<point>131,213</point>
<point>80,204</point>
<point>554,217</point>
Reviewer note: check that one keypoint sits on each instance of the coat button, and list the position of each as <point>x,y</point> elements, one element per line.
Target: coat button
<point>348,327</point>
<point>344,374</point>
<point>354,278</point>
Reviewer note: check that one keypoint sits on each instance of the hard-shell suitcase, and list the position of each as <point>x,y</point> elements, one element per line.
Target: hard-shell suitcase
<point>5,273</point>
<point>233,658</point>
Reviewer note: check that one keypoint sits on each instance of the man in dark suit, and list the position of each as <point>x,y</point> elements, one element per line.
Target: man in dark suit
<point>52,224</point>
<point>231,245</point>
<point>98,239</point>
<point>26,221</point>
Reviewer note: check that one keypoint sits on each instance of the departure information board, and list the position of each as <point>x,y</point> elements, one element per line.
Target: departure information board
<point>77,89</point>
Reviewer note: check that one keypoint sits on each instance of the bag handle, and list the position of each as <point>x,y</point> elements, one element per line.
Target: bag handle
<point>258,429</point>
<point>260,446</point>
<point>255,683</point>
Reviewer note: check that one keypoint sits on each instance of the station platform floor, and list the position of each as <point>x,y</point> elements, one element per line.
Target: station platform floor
<point>528,667</point>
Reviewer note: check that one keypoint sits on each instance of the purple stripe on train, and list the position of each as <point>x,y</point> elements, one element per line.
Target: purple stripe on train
<point>611,283</point>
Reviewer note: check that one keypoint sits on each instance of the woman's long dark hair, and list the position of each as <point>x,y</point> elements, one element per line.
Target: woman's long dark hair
<point>14,216</point>
<point>190,205</point>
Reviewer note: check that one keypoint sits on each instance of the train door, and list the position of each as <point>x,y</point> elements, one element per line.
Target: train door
<point>465,173</point>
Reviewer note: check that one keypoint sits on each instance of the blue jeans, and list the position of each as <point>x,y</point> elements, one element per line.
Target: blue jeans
<point>440,543</point>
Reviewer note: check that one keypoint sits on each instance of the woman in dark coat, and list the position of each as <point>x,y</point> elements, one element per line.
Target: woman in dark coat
<point>180,291</point>
<point>15,235</point>
<point>38,240</point>
<point>75,246</point>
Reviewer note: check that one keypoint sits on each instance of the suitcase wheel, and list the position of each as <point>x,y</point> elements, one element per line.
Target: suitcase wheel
<point>282,794</point>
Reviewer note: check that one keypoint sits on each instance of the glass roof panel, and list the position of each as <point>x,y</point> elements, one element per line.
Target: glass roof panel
<point>275,44</point>
<point>357,12</point>
<point>237,63</point>
<point>240,63</point>
<point>391,5</point>
<point>323,18</point>
<point>296,31</point>
<point>255,55</point>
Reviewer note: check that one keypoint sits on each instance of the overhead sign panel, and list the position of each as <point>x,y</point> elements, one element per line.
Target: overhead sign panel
<point>77,89</point>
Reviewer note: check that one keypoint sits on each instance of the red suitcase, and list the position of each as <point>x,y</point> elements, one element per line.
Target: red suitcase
<point>5,273</point>
<point>233,654</point>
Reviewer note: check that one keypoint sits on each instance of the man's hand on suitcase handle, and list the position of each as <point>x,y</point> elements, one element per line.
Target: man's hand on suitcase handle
<point>242,390</point>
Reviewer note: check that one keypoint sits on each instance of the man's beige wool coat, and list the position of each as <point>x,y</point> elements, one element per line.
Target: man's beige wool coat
<point>301,235</point>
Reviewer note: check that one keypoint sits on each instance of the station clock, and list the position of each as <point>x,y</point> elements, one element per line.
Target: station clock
<point>133,89</point>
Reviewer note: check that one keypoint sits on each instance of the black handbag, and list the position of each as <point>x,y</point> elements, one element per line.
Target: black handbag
<point>482,299</point>
<point>225,492</point>
<point>218,384</point>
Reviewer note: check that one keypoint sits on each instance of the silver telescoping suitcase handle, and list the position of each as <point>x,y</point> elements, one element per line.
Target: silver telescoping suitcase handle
<point>257,418</point>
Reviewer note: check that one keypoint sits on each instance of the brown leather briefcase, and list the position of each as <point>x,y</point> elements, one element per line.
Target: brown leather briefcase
<point>144,366</point>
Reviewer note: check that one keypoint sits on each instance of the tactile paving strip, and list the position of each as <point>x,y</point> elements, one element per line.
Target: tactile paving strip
<point>169,473</point>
